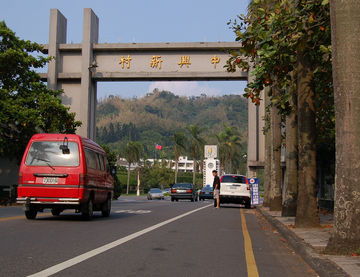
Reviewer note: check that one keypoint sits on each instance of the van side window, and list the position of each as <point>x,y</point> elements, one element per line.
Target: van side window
<point>90,158</point>
<point>107,166</point>
<point>101,161</point>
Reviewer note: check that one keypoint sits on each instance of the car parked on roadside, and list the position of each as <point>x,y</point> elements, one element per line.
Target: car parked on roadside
<point>184,191</point>
<point>206,193</point>
<point>155,193</point>
<point>234,189</point>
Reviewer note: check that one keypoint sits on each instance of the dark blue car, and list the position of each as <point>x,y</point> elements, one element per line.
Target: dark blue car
<point>206,193</point>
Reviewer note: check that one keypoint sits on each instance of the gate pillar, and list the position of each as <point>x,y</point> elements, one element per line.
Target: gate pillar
<point>256,138</point>
<point>79,89</point>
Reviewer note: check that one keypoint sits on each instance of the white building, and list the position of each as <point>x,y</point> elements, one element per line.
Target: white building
<point>184,164</point>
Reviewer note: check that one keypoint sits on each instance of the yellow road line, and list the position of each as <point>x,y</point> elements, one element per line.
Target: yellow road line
<point>249,254</point>
<point>21,217</point>
<point>12,218</point>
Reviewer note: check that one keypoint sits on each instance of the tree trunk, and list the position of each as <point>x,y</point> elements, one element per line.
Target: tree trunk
<point>138,184</point>
<point>176,169</point>
<point>194,172</point>
<point>291,176</point>
<point>128,180</point>
<point>275,193</point>
<point>307,213</point>
<point>267,167</point>
<point>345,19</point>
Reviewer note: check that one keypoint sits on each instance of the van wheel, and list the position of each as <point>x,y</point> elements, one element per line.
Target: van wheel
<point>248,205</point>
<point>88,210</point>
<point>172,199</point>
<point>31,214</point>
<point>55,212</point>
<point>106,208</point>
<point>215,204</point>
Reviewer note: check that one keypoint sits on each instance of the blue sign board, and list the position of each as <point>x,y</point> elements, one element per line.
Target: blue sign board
<point>255,195</point>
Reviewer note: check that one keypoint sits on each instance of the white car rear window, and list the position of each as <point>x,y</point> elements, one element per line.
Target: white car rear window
<point>233,179</point>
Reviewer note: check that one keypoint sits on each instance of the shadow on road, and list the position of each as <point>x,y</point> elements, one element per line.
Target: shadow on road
<point>232,206</point>
<point>78,217</point>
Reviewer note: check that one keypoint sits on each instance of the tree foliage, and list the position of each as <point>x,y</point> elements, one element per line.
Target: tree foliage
<point>272,36</point>
<point>179,140</point>
<point>196,144</point>
<point>27,106</point>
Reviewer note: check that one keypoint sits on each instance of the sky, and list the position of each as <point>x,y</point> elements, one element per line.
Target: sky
<point>137,21</point>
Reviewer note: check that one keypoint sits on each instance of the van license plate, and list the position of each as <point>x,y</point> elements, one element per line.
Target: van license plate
<point>50,180</point>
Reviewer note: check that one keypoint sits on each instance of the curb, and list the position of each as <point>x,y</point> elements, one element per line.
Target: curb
<point>323,266</point>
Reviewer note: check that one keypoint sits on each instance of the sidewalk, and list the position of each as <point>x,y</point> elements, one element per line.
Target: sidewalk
<point>310,243</point>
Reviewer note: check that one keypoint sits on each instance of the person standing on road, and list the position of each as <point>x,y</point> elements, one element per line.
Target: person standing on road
<point>216,186</point>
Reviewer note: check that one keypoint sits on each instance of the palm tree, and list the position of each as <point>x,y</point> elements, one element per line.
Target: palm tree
<point>234,144</point>
<point>230,147</point>
<point>196,144</point>
<point>179,148</point>
<point>223,151</point>
<point>132,154</point>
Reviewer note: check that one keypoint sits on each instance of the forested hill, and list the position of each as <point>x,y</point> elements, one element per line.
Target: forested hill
<point>153,119</point>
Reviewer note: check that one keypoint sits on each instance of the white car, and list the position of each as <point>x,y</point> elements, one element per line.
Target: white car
<point>235,189</point>
<point>155,193</point>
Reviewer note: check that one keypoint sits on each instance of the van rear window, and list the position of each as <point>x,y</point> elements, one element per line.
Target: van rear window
<point>48,153</point>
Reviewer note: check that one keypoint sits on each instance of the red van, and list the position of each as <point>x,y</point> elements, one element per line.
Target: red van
<point>64,171</point>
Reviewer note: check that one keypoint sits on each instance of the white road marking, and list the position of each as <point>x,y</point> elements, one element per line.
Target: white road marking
<point>132,211</point>
<point>78,259</point>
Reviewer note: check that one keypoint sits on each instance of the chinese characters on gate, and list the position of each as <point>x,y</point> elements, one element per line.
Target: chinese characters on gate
<point>156,61</point>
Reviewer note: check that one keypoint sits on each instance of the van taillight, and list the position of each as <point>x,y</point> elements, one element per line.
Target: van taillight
<point>20,180</point>
<point>189,191</point>
<point>82,180</point>
<point>173,191</point>
<point>248,187</point>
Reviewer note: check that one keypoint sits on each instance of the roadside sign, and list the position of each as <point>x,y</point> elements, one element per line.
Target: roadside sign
<point>255,196</point>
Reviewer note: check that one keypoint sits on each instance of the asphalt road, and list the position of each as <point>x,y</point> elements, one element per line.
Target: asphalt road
<point>146,238</point>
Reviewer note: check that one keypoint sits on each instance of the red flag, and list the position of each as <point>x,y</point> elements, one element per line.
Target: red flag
<point>158,146</point>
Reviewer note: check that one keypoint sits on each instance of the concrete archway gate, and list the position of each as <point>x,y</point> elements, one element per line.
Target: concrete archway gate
<point>78,67</point>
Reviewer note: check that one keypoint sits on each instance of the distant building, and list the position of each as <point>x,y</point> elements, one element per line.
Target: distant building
<point>184,164</point>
